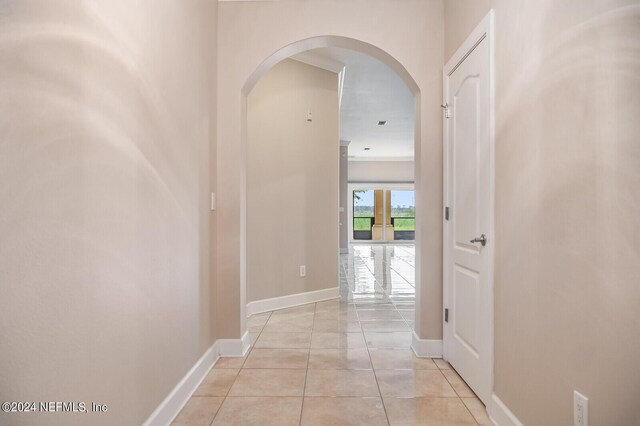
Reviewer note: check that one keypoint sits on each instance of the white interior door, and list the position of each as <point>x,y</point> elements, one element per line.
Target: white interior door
<point>469,228</point>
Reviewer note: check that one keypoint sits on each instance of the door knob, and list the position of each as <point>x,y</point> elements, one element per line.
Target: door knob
<point>482,240</point>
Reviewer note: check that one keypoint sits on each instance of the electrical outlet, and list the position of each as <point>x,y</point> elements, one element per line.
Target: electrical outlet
<point>303,271</point>
<point>580,409</point>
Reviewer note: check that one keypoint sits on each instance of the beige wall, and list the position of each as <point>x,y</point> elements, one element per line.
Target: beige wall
<point>104,166</point>
<point>381,171</point>
<point>249,32</point>
<point>567,205</point>
<point>292,181</point>
<point>461,16</point>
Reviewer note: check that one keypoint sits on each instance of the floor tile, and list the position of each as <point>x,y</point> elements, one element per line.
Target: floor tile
<point>478,411</point>
<point>283,340</point>
<point>368,300</point>
<point>459,385</point>
<point>333,305</point>
<point>383,325</point>
<point>257,322</point>
<point>347,359</point>
<point>234,362</point>
<point>296,310</point>
<point>385,315</point>
<point>351,316</point>
<point>341,383</point>
<point>393,339</point>
<point>413,383</point>
<point>403,305</point>
<point>296,324</point>
<point>326,363</point>
<point>337,340</point>
<point>336,326</point>
<point>277,358</point>
<point>199,410</point>
<point>253,337</point>
<point>390,359</point>
<point>263,316</point>
<point>377,306</point>
<point>442,364</point>
<point>320,411</point>
<point>217,382</point>
<point>259,411</point>
<point>269,382</point>
<point>427,411</point>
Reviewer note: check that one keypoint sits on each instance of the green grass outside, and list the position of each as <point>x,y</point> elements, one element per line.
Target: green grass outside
<point>400,224</point>
<point>364,224</point>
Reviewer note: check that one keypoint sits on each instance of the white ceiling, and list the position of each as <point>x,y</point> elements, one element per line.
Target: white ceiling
<point>372,92</point>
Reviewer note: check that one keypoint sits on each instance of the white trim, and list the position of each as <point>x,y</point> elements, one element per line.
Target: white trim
<point>180,394</point>
<point>485,29</point>
<point>235,347</point>
<point>344,250</point>
<point>426,348</point>
<point>319,61</point>
<point>341,85</point>
<point>291,300</point>
<point>500,414</point>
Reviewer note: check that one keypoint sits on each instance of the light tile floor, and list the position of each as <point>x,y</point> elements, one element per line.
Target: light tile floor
<point>340,362</point>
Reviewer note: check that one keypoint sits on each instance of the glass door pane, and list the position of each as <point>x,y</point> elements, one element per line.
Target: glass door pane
<point>363,214</point>
<point>403,215</point>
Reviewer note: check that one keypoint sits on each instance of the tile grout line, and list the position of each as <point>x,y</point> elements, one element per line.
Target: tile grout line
<point>373,371</point>
<point>468,410</point>
<point>458,394</point>
<point>306,372</point>
<point>225,397</point>
<point>239,370</point>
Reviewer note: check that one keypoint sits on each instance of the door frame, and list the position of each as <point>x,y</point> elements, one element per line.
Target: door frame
<point>485,29</point>
<point>351,186</point>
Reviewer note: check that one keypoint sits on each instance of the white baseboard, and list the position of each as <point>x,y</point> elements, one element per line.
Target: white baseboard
<point>426,348</point>
<point>291,300</point>
<point>180,394</point>
<point>501,415</point>
<point>234,347</point>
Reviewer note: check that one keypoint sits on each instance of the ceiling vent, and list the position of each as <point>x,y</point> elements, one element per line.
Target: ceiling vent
<point>382,122</point>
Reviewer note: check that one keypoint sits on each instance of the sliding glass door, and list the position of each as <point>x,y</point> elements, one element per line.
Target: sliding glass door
<point>382,213</point>
<point>363,214</point>
<point>403,218</point>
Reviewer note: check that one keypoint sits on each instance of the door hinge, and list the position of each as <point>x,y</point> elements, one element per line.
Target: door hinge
<point>446,314</point>
<point>447,110</point>
<point>446,213</point>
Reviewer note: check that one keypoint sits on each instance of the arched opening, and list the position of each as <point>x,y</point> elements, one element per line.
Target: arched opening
<point>287,52</point>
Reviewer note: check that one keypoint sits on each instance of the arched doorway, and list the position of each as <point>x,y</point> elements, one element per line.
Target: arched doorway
<point>286,52</point>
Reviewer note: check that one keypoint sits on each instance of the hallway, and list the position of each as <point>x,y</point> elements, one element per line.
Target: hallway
<point>339,362</point>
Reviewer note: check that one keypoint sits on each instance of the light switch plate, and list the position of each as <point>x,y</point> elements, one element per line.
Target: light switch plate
<point>213,201</point>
